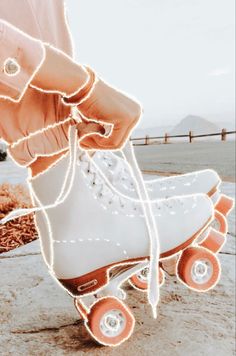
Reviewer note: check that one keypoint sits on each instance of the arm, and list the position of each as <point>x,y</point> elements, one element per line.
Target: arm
<point>26,61</point>
<point>20,58</point>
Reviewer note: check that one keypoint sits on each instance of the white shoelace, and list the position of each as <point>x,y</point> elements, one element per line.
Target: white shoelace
<point>153,281</point>
<point>128,153</point>
<point>119,172</point>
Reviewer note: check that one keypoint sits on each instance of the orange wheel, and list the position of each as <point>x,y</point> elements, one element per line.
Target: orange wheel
<point>110,322</point>
<point>225,205</point>
<point>198,268</point>
<point>214,241</point>
<point>220,223</point>
<point>140,279</point>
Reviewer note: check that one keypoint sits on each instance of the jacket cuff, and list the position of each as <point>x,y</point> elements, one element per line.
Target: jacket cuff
<point>21,56</point>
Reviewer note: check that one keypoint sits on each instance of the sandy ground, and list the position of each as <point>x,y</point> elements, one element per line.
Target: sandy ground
<point>38,318</point>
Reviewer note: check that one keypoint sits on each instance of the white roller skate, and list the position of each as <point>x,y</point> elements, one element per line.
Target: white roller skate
<point>206,181</point>
<point>118,173</point>
<point>94,239</point>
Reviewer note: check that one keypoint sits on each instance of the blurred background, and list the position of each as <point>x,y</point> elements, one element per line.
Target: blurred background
<point>175,56</point>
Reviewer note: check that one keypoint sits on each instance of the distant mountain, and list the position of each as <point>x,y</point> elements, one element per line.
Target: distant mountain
<point>196,124</point>
<point>193,123</point>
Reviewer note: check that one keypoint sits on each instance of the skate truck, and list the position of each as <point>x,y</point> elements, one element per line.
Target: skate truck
<point>94,237</point>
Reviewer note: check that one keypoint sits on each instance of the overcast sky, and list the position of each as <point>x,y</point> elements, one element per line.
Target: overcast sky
<point>175,56</point>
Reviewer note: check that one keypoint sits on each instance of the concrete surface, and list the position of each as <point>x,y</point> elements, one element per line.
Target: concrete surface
<point>38,318</point>
<point>188,157</point>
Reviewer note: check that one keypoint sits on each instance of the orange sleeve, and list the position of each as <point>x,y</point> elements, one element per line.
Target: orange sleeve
<point>20,58</point>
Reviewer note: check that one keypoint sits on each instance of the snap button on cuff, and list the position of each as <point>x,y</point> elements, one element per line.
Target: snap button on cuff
<point>11,67</point>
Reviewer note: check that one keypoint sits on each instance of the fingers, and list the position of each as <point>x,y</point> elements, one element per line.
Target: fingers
<point>116,140</point>
<point>88,127</point>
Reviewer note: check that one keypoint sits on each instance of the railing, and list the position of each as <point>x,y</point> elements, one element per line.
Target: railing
<point>166,138</point>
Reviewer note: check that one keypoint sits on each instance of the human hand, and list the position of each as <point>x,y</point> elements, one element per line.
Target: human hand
<point>107,105</point>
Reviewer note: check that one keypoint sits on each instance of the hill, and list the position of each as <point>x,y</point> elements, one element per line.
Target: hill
<point>196,124</point>
<point>152,131</point>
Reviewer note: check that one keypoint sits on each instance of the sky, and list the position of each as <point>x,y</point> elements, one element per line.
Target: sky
<point>175,56</point>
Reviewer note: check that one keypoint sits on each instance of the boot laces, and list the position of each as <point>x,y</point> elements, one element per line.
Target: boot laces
<point>102,190</point>
<point>119,172</point>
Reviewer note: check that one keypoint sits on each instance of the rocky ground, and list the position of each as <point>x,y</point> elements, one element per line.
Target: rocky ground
<point>38,318</point>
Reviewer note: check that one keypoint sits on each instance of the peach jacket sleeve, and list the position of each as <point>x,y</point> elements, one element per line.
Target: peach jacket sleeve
<point>20,58</point>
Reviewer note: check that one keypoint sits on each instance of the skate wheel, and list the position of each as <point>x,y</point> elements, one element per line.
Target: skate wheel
<point>198,268</point>
<point>140,279</point>
<point>224,205</point>
<point>110,322</point>
<point>214,241</point>
<point>220,223</point>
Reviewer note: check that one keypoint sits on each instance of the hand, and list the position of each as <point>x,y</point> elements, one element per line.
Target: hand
<point>107,105</point>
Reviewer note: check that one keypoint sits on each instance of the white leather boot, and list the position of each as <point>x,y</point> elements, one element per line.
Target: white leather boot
<point>94,220</point>
<point>207,181</point>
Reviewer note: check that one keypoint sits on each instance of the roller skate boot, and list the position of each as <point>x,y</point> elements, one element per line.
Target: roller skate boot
<point>118,172</point>
<point>100,239</point>
<point>207,181</point>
